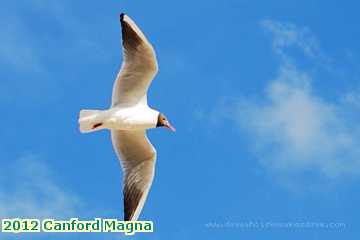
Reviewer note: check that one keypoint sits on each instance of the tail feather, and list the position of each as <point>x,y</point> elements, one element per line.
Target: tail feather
<point>90,120</point>
<point>88,113</point>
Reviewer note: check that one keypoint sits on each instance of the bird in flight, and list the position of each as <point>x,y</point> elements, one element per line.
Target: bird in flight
<point>129,117</point>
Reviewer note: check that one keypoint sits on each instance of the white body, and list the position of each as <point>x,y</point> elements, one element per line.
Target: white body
<point>132,118</point>
<point>138,117</point>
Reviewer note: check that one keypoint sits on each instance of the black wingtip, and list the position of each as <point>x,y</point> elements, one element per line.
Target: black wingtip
<point>122,16</point>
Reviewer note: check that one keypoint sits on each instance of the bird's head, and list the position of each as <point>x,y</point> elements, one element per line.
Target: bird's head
<point>163,122</point>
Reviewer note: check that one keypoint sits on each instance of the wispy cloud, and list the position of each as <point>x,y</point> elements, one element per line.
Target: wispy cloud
<point>29,190</point>
<point>39,40</point>
<point>293,129</point>
<point>22,45</point>
<point>17,48</point>
<point>32,189</point>
<point>287,35</point>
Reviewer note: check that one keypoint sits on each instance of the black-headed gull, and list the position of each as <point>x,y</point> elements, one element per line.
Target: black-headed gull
<point>130,116</point>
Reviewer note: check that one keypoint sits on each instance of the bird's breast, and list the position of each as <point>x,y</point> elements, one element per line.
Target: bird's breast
<point>130,119</point>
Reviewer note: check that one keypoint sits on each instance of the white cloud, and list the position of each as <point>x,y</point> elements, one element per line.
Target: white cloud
<point>293,129</point>
<point>33,49</point>
<point>352,98</point>
<point>29,190</point>
<point>286,35</point>
<point>25,43</point>
<point>17,48</point>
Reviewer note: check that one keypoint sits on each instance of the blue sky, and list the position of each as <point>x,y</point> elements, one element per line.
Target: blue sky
<point>265,97</point>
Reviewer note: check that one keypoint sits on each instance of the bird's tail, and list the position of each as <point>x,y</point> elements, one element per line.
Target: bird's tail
<point>90,120</point>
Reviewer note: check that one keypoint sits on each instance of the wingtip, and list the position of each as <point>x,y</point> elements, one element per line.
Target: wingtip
<point>122,15</point>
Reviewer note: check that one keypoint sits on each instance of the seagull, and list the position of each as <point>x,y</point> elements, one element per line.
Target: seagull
<point>129,117</point>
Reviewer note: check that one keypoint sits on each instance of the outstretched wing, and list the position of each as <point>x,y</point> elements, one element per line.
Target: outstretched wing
<point>139,66</point>
<point>137,157</point>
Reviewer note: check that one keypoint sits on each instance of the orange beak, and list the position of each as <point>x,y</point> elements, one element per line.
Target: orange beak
<point>168,125</point>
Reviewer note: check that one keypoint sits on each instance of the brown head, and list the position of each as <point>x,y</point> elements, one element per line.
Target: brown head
<point>163,122</point>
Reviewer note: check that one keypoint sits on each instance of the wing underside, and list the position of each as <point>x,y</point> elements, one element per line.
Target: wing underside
<point>137,157</point>
<point>139,65</point>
